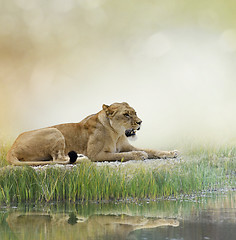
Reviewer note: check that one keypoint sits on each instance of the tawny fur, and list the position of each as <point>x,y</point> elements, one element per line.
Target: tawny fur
<point>100,137</point>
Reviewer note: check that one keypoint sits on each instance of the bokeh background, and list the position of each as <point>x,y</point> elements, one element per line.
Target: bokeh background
<point>174,61</point>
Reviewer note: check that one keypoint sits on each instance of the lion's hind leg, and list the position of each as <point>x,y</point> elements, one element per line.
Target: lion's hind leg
<point>57,151</point>
<point>60,158</point>
<point>73,158</point>
<point>39,147</point>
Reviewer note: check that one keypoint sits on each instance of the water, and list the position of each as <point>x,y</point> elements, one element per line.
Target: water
<point>208,217</point>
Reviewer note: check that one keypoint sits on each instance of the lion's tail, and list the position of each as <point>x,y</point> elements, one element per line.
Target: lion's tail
<point>13,160</point>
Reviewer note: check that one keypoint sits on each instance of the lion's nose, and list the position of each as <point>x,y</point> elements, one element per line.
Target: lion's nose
<point>139,122</point>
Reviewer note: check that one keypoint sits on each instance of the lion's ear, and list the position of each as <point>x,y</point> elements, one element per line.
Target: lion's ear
<point>126,104</point>
<point>107,110</point>
<point>105,107</point>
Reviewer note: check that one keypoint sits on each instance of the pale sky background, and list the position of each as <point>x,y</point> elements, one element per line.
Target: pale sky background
<point>174,61</point>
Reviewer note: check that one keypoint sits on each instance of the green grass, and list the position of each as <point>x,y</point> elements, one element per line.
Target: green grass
<point>3,153</point>
<point>198,171</point>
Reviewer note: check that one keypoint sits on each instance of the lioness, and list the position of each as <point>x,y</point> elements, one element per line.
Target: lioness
<point>100,137</point>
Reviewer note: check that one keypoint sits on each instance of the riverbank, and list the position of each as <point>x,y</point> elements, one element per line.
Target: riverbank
<point>150,179</point>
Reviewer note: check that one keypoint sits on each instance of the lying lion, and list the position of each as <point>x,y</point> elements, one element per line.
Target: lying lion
<point>100,137</point>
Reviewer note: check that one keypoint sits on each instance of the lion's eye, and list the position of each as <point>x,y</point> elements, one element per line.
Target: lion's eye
<point>126,115</point>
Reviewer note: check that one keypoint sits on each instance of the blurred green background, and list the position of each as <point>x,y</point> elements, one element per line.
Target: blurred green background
<point>174,61</point>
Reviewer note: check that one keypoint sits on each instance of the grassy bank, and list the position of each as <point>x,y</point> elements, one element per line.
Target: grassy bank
<point>197,171</point>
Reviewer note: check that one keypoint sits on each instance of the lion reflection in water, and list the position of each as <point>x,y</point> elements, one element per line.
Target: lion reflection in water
<point>64,226</point>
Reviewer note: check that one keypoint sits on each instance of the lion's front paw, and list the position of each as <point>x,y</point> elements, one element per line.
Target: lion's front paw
<point>174,153</point>
<point>140,155</point>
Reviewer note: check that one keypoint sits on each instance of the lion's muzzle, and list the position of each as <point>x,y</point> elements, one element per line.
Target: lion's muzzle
<point>131,132</point>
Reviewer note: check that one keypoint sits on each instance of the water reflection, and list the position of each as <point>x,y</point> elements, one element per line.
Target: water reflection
<point>62,226</point>
<point>39,225</point>
<point>204,218</point>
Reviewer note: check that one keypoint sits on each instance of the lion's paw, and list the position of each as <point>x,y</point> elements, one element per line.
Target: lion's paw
<point>82,159</point>
<point>140,155</point>
<point>175,153</point>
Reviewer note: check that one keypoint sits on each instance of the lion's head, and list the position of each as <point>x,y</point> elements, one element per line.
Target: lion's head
<point>123,118</point>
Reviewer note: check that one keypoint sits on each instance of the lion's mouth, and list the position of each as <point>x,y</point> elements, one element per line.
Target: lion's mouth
<point>131,132</point>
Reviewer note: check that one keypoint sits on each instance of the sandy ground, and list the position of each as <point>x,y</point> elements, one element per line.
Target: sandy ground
<point>131,165</point>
